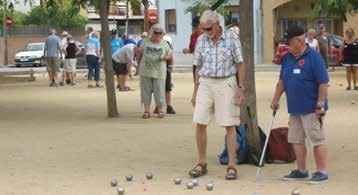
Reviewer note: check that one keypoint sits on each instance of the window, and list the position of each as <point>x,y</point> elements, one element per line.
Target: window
<point>326,22</point>
<point>285,23</point>
<point>170,21</point>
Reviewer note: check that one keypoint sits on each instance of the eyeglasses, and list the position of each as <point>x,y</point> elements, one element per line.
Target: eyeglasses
<point>158,33</point>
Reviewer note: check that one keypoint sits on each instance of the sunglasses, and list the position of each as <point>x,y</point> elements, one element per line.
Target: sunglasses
<point>158,33</point>
<point>208,29</point>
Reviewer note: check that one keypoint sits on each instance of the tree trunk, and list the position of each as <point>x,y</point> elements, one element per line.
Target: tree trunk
<point>146,5</point>
<point>248,110</point>
<point>108,68</point>
<point>6,61</point>
<point>127,16</point>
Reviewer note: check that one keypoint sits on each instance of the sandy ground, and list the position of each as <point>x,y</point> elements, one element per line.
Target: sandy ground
<point>56,141</point>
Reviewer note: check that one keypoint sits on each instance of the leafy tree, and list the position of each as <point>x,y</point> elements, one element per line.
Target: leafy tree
<point>338,8</point>
<point>58,16</point>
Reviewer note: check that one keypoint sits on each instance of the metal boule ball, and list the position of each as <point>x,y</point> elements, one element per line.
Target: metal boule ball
<point>129,177</point>
<point>149,175</point>
<point>114,182</point>
<point>120,191</point>
<point>195,182</point>
<point>353,102</point>
<point>177,181</point>
<point>209,186</point>
<point>295,192</point>
<point>189,185</point>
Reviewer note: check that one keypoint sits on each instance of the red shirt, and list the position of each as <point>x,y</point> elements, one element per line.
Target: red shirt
<point>193,38</point>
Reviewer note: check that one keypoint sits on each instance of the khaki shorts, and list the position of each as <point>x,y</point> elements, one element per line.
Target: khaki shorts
<point>217,97</point>
<point>53,64</point>
<point>302,126</point>
<point>70,65</point>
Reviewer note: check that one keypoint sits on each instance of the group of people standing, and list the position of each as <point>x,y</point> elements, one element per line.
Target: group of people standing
<point>218,91</point>
<point>152,58</point>
<point>59,51</point>
<point>348,51</point>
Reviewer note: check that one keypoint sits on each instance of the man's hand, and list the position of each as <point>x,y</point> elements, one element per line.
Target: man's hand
<point>239,97</point>
<point>186,50</point>
<point>193,99</point>
<point>275,105</point>
<point>319,112</point>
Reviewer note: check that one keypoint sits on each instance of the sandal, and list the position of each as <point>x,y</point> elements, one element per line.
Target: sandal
<point>126,88</point>
<point>199,170</point>
<point>231,173</point>
<point>348,88</point>
<point>146,115</point>
<point>99,86</point>
<point>161,114</point>
<point>90,86</point>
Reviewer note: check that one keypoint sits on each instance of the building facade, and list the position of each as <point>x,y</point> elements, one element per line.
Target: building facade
<point>118,14</point>
<point>178,24</point>
<point>279,14</point>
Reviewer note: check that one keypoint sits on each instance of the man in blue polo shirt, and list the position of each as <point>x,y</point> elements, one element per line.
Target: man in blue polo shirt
<point>116,43</point>
<point>304,79</point>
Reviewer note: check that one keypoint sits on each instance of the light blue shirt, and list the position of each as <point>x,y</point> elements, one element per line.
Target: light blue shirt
<point>52,46</point>
<point>92,45</point>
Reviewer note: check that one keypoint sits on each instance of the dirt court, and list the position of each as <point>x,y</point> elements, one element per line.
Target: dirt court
<point>58,141</point>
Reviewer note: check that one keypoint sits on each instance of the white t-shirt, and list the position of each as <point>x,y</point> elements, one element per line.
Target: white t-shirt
<point>312,44</point>
<point>63,44</point>
<point>124,53</point>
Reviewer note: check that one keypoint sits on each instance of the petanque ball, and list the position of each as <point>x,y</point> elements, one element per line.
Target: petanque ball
<point>114,182</point>
<point>195,182</point>
<point>177,181</point>
<point>209,186</point>
<point>149,175</point>
<point>190,185</point>
<point>129,177</point>
<point>120,191</point>
<point>295,192</point>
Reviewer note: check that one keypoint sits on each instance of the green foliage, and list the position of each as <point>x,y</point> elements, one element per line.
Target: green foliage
<point>56,15</point>
<point>338,8</point>
<point>198,7</point>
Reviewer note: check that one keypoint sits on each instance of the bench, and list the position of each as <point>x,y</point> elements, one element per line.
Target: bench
<point>30,73</point>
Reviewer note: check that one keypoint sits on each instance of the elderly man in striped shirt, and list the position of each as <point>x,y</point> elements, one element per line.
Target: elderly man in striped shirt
<point>218,88</point>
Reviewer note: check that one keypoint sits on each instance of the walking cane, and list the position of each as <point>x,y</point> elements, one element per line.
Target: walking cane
<point>265,146</point>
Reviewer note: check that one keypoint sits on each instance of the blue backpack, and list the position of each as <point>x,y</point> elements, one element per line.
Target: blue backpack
<point>243,150</point>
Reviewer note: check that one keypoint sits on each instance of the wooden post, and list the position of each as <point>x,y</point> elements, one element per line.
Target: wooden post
<point>108,68</point>
<point>248,110</point>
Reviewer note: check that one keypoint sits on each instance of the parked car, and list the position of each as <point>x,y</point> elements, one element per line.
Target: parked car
<point>31,55</point>
<point>334,55</point>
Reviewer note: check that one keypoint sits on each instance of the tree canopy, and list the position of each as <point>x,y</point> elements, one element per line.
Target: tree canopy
<point>338,8</point>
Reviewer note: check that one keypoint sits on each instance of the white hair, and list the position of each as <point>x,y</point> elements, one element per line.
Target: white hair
<point>155,26</point>
<point>209,15</point>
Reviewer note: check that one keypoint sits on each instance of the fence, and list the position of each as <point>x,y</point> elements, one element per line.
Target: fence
<point>42,31</point>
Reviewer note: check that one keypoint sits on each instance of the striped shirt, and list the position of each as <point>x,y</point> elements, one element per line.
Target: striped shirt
<point>218,60</point>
